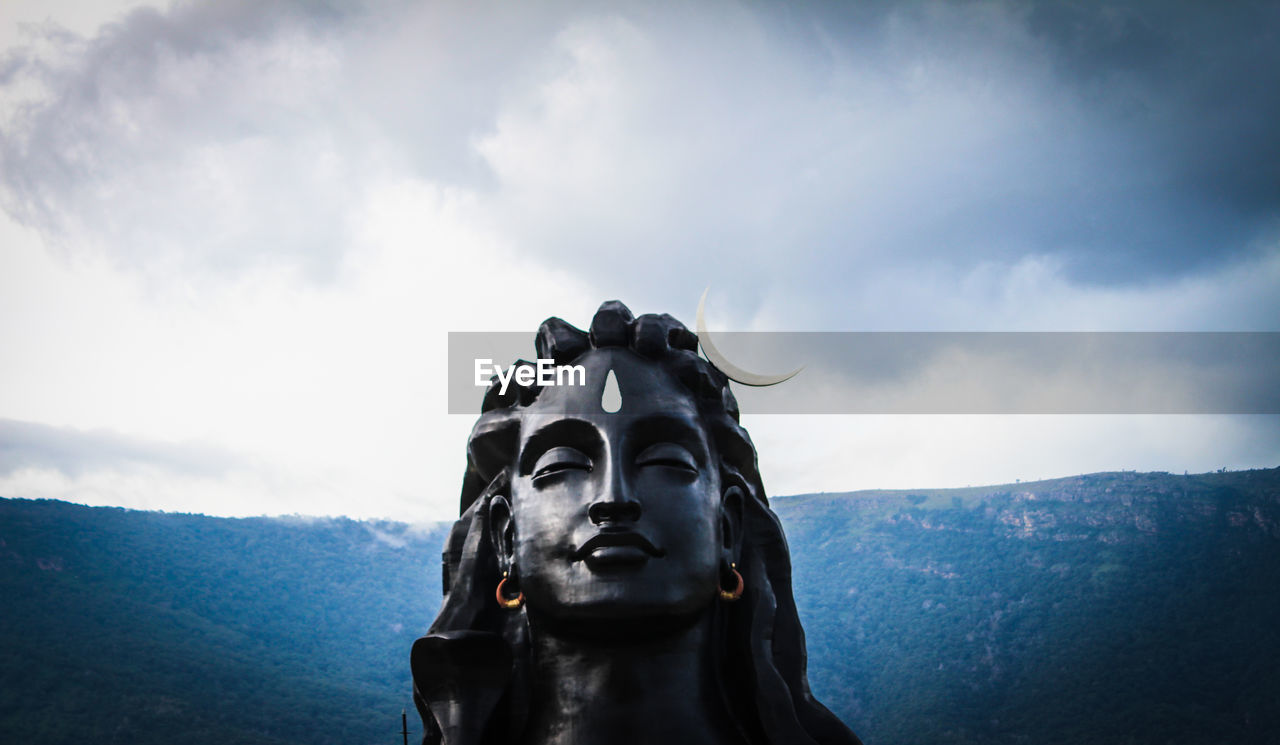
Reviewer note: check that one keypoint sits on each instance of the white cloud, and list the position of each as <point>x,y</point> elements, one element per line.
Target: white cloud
<point>252,227</point>
<point>20,18</point>
<point>339,387</point>
<point>845,453</point>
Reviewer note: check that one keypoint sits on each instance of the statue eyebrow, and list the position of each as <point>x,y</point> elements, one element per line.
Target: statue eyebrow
<point>575,433</point>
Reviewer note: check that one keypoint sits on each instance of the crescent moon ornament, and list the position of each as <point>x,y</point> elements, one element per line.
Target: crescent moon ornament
<point>733,372</point>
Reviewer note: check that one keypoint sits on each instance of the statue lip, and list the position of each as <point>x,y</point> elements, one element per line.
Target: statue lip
<point>603,542</point>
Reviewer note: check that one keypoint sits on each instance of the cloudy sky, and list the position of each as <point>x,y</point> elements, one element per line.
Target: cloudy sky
<point>234,235</point>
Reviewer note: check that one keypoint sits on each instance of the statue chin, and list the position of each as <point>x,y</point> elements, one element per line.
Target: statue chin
<point>615,624</point>
<point>642,600</point>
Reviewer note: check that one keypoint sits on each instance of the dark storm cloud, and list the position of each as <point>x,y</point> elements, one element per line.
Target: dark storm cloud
<point>810,145</point>
<point>819,146</point>
<point>75,452</point>
<point>1197,85</point>
<point>1186,100</point>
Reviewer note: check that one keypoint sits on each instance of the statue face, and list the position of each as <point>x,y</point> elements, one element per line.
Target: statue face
<point>616,516</point>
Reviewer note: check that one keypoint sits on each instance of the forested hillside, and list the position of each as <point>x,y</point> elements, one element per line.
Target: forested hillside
<point>1110,608</point>
<point>139,627</point>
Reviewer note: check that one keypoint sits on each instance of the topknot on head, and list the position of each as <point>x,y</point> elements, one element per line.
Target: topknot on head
<point>611,326</point>
<point>658,337</point>
<point>652,335</point>
<point>560,341</point>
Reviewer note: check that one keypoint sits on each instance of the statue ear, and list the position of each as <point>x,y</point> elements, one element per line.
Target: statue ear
<point>502,531</point>
<point>731,506</point>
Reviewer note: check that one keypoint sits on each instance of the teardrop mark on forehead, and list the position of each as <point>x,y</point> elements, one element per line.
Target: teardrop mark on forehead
<point>611,396</point>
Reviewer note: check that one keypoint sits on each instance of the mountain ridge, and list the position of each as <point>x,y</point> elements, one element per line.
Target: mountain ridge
<point>1115,607</point>
<point>1221,477</point>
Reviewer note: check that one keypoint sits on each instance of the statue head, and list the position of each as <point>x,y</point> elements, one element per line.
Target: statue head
<point>616,522</point>
<point>628,505</point>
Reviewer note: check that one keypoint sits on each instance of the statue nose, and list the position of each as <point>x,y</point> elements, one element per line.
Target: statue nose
<point>614,503</point>
<point>607,511</point>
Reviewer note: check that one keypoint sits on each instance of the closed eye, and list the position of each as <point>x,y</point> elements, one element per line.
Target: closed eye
<point>669,455</point>
<point>560,460</point>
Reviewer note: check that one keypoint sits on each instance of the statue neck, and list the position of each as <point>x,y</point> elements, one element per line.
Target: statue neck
<point>589,691</point>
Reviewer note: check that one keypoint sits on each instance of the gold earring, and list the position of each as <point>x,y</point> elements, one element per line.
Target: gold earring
<point>729,596</point>
<point>504,601</point>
